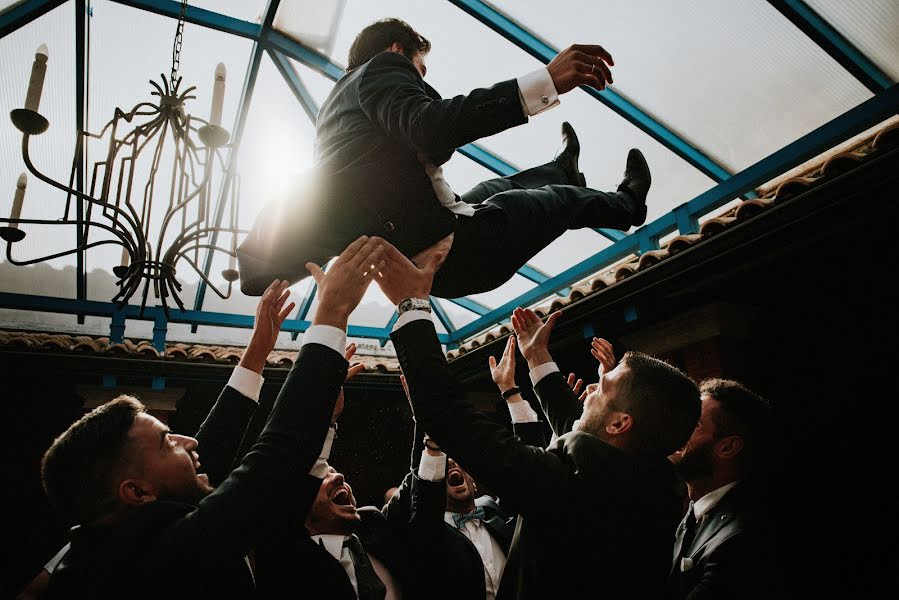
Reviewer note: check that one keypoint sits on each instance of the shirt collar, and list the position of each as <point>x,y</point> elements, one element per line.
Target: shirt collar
<point>711,500</point>
<point>448,518</point>
<point>332,542</point>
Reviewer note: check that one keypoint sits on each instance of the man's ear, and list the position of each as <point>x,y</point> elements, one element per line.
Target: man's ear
<point>396,47</point>
<point>729,447</point>
<point>134,492</point>
<point>619,423</point>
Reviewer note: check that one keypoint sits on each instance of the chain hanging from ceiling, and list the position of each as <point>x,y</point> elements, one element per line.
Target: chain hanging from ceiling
<point>155,149</point>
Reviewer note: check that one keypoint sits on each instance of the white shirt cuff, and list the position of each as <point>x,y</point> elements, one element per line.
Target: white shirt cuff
<point>541,371</point>
<point>326,335</point>
<point>432,468</point>
<point>521,412</point>
<point>411,315</point>
<point>320,468</point>
<point>537,92</point>
<point>247,382</point>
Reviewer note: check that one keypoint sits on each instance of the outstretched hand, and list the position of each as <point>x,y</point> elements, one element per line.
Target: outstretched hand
<point>400,278</point>
<point>533,335</point>
<point>351,372</point>
<point>503,372</point>
<point>576,384</point>
<point>581,64</point>
<point>270,315</point>
<point>601,349</point>
<point>341,289</point>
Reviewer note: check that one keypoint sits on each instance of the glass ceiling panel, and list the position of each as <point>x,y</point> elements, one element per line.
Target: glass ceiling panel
<point>872,26</point>
<point>312,22</point>
<point>316,84</point>
<point>694,66</point>
<point>51,152</point>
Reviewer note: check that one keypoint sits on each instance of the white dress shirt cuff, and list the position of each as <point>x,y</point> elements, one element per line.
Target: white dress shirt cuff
<point>326,335</point>
<point>411,315</point>
<point>537,92</point>
<point>541,371</point>
<point>521,412</point>
<point>247,382</point>
<point>320,468</point>
<point>432,468</point>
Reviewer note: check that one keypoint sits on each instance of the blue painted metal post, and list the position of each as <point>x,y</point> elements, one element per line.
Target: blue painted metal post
<point>117,327</point>
<point>295,82</point>
<point>686,223</point>
<point>160,329</point>
<point>109,382</point>
<point>834,43</point>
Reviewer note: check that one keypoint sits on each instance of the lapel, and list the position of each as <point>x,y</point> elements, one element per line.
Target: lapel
<point>328,572</point>
<point>678,544</point>
<point>724,513</point>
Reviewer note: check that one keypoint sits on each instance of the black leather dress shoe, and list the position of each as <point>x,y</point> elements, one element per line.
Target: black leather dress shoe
<point>636,182</point>
<point>568,157</point>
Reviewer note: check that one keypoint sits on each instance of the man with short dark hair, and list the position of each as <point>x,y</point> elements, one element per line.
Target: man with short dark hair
<point>720,544</point>
<point>597,507</point>
<point>382,137</point>
<point>149,522</point>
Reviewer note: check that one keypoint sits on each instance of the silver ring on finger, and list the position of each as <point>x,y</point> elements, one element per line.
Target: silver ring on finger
<point>593,68</point>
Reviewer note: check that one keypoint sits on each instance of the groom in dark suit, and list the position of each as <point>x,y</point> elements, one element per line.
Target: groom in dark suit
<point>597,507</point>
<point>381,138</point>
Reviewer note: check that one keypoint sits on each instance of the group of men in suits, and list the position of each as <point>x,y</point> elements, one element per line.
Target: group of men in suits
<point>596,510</point>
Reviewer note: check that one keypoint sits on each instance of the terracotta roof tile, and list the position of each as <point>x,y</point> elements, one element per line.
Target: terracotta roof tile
<point>682,242</point>
<point>177,351</point>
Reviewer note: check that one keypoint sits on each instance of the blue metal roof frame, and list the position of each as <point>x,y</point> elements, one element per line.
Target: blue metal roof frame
<point>684,218</point>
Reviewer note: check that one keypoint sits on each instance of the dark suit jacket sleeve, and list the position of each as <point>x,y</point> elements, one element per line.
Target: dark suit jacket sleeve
<point>222,433</point>
<point>272,482</point>
<point>530,433</point>
<point>732,570</point>
<point>527,476</point>
<point>560,405</point>
<point>393,94</point>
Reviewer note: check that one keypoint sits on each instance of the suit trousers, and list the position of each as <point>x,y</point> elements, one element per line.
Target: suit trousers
<point>516,217</point>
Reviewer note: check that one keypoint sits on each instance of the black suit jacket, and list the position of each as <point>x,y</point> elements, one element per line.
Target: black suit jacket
<point>727,553</point>
<point>297,567</point>
<point>174,549</point>
<point>591,517</point>
<point>371,131</point>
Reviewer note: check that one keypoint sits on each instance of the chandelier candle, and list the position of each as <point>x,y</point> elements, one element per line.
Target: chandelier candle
<point>36,83</point>
<point>218,96</point>
<point>18,200</point>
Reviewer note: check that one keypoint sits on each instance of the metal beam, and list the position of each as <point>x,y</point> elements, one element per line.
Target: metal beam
<point>543,52</point>
<point>441,315</point>
<point>246,97</point>
<point>198,16</point>
<point>24,13</point>
<point>538,277</point>
<point>152,313</point>
<point>295,83</point>
<point>832,41</point>
<point>80,112</point>
<point>469,304</point>
<point>869,113</point>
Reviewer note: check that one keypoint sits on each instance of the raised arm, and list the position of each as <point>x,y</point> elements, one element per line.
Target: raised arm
<point>559,402</point>
<point>527,476</point>
<point>224,428</point>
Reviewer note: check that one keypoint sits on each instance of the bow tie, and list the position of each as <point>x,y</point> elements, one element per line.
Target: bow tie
<point>477,514</point>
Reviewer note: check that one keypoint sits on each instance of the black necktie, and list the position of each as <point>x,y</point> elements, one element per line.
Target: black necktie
<point>689,531</point>
<point>368,583</point>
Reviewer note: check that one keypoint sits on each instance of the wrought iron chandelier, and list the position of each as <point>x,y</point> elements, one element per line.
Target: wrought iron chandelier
<point>153,242</point>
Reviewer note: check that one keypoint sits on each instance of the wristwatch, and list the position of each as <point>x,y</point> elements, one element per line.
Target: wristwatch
<point>408,304</point>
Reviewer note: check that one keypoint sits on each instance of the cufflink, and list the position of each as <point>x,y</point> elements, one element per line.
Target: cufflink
<point>544,99</point>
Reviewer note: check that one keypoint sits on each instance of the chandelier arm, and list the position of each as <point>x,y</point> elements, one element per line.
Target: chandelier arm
<point>203,276</point>
<point>33,261</point>
<point>176,208</point>
<point>30,166</point>
<point>181,241</point>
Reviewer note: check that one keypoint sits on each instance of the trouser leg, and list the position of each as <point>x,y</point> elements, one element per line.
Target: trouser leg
<point>536,177</point>
<point>491,246</point>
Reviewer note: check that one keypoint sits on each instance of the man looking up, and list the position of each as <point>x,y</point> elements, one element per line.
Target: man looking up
<point>597,507</point>
<point>148,522</point>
